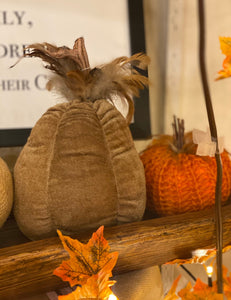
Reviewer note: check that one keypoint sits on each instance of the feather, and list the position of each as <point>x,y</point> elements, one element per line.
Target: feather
<point>74,79</point>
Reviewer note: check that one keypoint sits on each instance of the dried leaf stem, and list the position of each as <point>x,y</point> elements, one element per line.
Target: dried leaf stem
<point>213,130</point>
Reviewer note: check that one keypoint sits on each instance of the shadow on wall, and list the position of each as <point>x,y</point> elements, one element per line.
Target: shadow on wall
<point>10,155</point>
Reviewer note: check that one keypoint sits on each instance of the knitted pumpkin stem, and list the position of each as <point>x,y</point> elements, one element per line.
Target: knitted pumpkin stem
<point>178,133</point>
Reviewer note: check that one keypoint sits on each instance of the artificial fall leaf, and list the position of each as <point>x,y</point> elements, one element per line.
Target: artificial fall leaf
<point>96,287</point>
<point>85,259</point>
<point>195,259</point>
<point>183,293</point>
<point>199,259</point>
<point>225,44</point>
<point>201,291</point>
<point>226,283</point>
<point>172,292</point>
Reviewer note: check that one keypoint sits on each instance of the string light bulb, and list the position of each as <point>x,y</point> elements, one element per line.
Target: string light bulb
<point>209,270</point>
<point>112,297</point>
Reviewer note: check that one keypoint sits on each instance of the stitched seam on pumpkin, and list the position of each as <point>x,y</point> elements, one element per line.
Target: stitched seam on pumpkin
<point>195,182</point>
<point>51,157</point>
<point>225,173</point>
<point>159,206</point>
<point>110,156</point>
<point>120,152</point>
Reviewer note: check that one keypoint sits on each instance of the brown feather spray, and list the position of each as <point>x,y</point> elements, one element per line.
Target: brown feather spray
<point>74,78</point>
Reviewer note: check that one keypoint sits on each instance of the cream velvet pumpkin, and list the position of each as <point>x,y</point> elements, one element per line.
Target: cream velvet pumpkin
<point>79,168</point>
<point>6,192</point>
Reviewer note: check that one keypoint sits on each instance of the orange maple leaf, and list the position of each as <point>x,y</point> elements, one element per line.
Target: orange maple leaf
<point>172,292</point>
<point>225,44</point>
<point>226,283</point>
<point>209,253</point>
<point>85,259</point>
<point>201,291</point>
<point>96,287</point>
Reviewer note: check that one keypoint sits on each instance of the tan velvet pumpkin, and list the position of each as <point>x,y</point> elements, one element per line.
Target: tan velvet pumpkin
<point>6,192</point>
<point>79,168</point>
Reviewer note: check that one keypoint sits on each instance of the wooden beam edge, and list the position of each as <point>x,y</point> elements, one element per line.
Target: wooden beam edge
<point>27,269</point>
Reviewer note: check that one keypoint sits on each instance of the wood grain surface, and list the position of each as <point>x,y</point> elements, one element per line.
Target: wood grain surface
<point>26,269</point>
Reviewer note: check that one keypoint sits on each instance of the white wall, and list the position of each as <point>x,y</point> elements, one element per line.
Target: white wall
<point>184,95</point>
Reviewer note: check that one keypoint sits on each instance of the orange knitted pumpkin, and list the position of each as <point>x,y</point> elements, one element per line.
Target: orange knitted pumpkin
<point>177,179</point>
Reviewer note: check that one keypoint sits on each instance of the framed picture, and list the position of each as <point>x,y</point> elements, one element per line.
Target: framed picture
<point>110,29</point>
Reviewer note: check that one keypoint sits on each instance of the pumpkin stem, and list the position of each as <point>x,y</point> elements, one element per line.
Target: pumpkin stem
<point>178,133</point>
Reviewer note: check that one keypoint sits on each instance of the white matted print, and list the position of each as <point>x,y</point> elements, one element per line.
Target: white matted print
<point>103,24</point>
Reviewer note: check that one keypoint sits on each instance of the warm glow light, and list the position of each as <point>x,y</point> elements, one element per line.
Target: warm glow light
<point>199,252</point>
<point>112,297</point>
<point>209,270</point>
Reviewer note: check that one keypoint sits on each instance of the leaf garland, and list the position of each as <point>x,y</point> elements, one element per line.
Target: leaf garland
<point>201,290</point>
<point>201,259</point>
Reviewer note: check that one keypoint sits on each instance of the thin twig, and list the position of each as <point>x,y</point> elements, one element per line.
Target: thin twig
<point>213,130</point>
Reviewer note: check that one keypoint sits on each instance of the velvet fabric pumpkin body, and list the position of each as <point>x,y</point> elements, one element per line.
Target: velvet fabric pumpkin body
<point>6,192</point>
<point>78,170</point>
<point>181,182</point>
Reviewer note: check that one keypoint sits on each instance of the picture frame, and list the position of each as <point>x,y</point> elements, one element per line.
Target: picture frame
<point>140,128</point>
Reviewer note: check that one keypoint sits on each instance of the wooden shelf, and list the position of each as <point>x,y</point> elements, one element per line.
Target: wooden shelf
<point>26,269</point>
